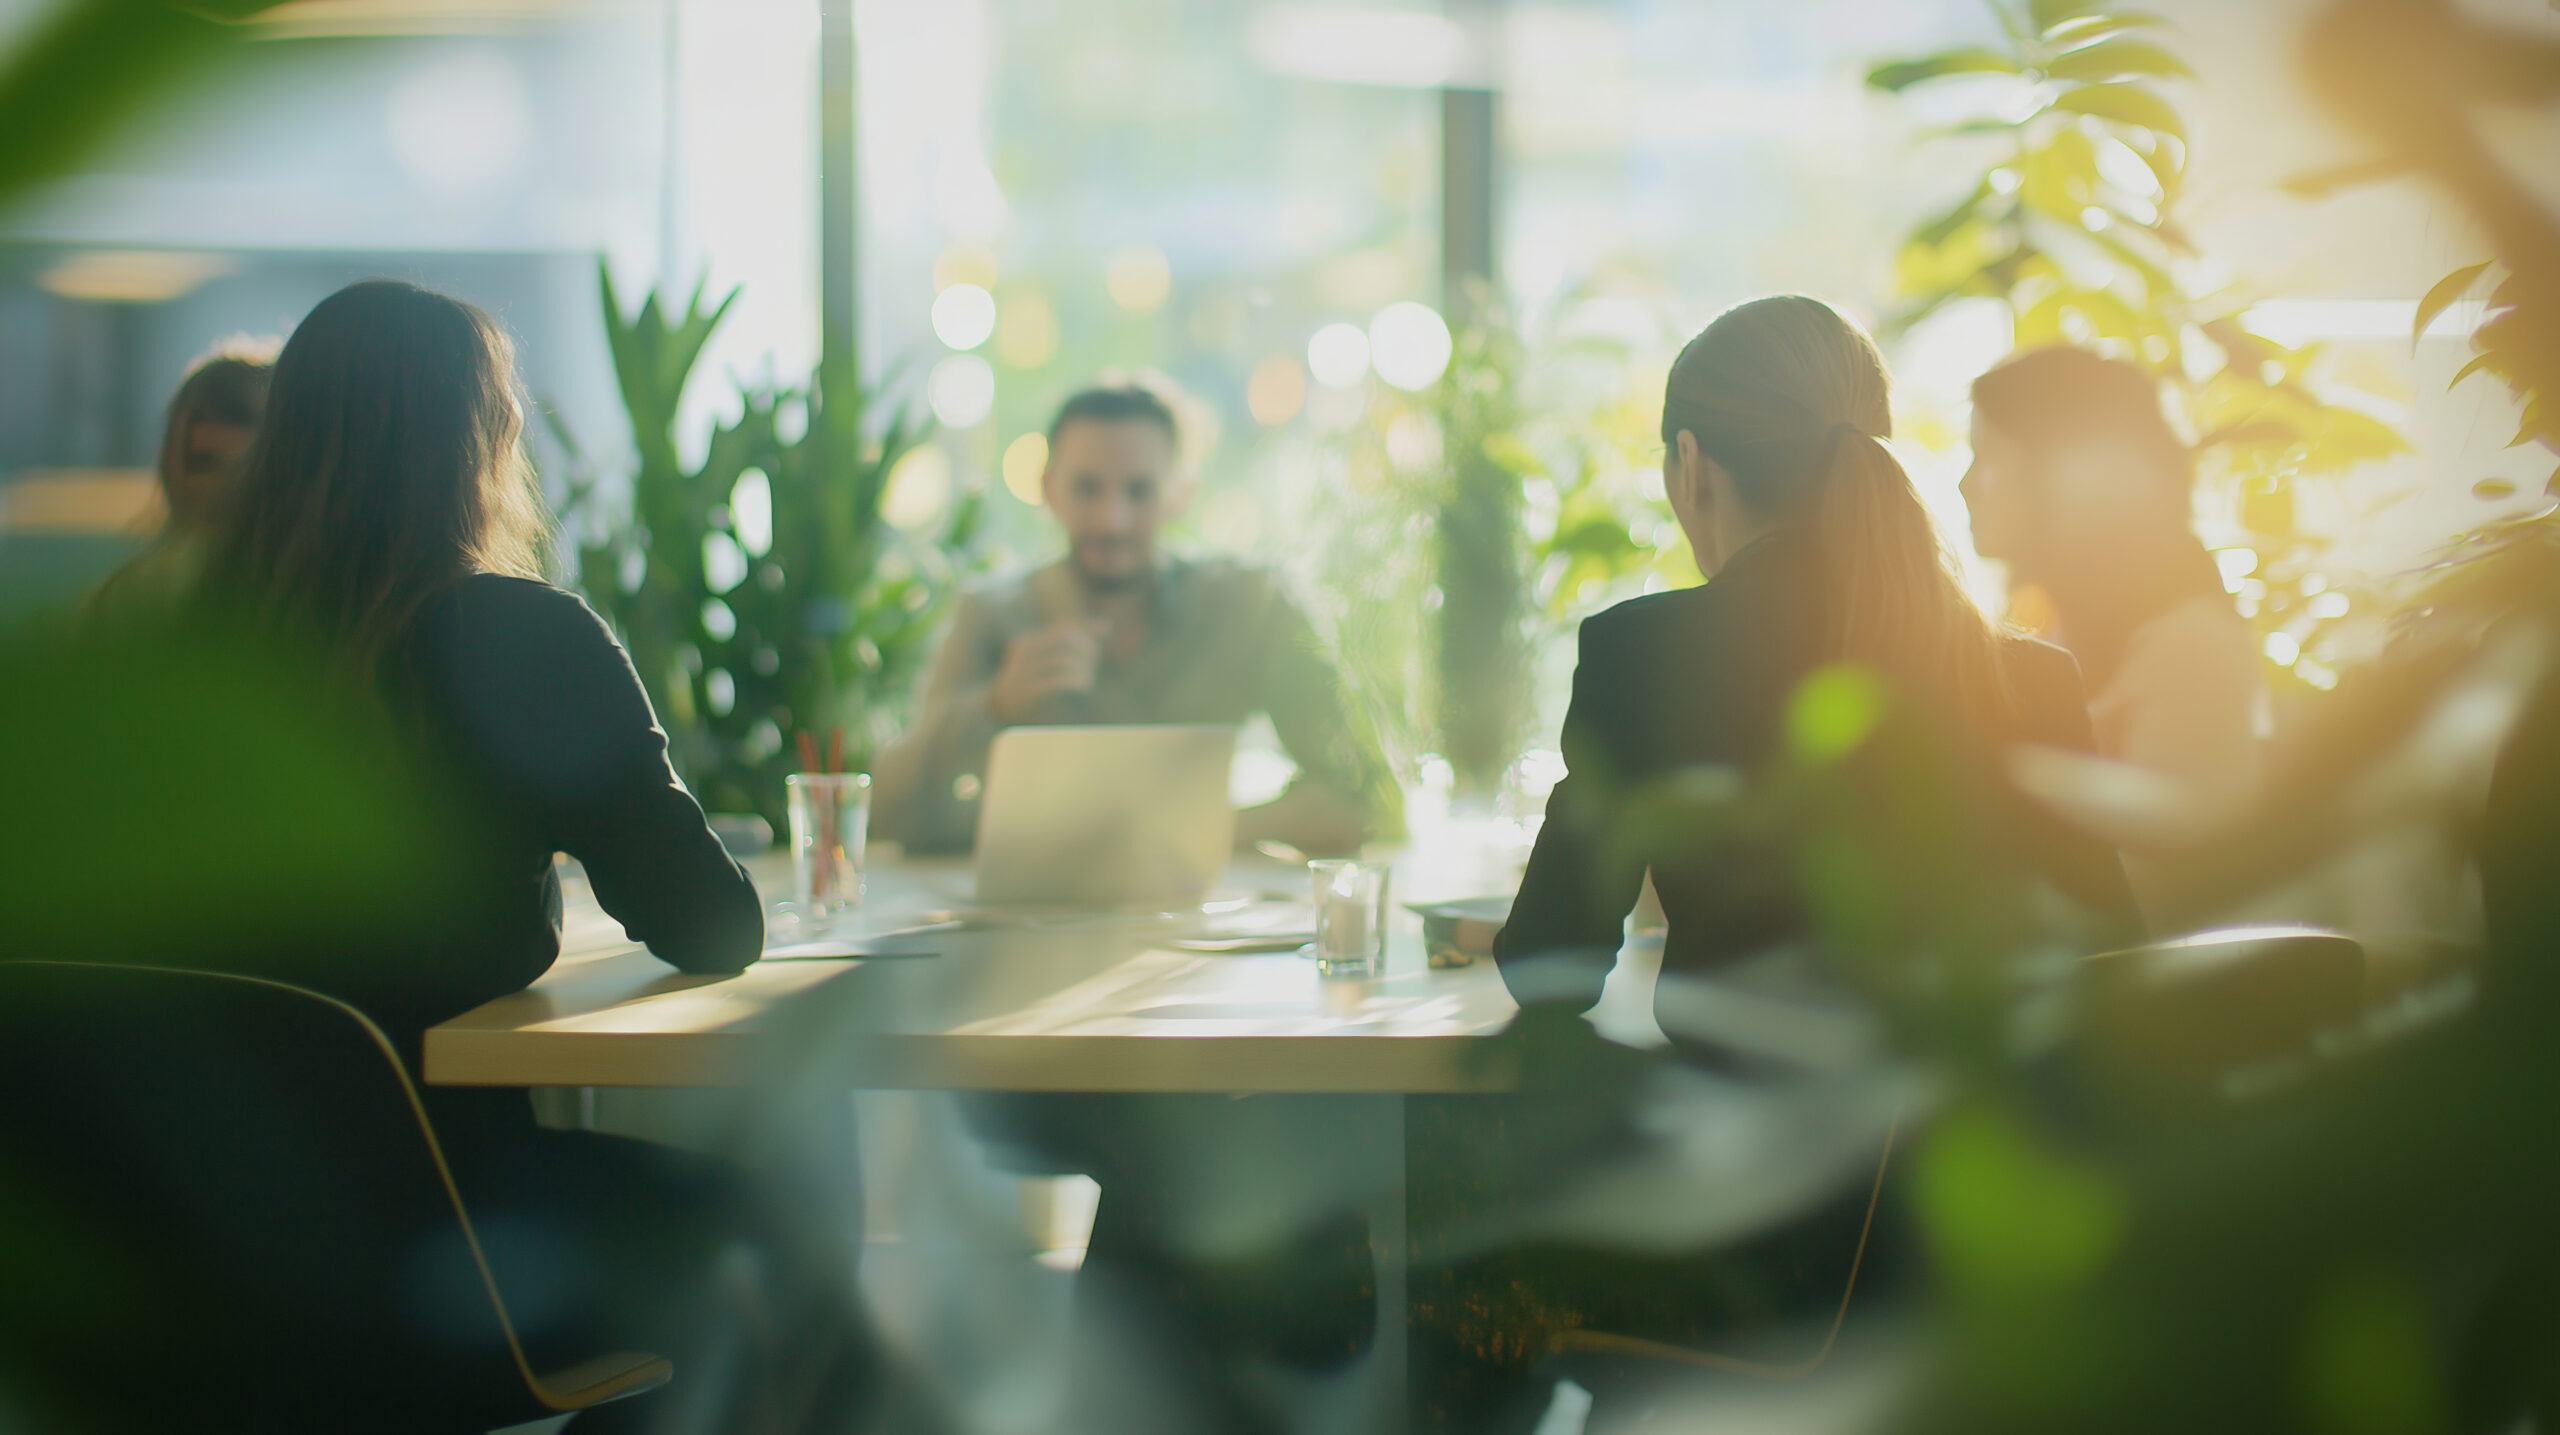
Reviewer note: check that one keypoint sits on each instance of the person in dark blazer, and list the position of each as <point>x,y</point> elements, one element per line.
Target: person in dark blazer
<point>1806,753</point>
<point>1818,553</point>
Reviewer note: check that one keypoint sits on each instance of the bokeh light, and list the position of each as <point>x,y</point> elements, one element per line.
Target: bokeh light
<point>724,564</point>
<point>963,316</point>
<point>1413,442</point>
<point>919,489</point>
<point>2236,564</point>
<point>1138,278</point>
<point>1024,460</point>
<point>1338,355</point>
<point>1410,344</point>
<point>962,391</point>
<point>461,123</point>
<point>1335,408</point>
<point>751,512</point>
<point>1276,390</point>
<point>965,264</point>
<point>1026,331</point>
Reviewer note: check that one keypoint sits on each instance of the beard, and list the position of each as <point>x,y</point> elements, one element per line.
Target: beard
<point>1122,568</point>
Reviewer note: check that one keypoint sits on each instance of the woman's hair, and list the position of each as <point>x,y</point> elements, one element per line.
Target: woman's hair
<point>220,388</point>
<point>2052,398</point>
<point>388,468</point>
<point>1791,400</point>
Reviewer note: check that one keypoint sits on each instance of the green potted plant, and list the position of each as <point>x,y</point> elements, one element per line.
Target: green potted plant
<point>773,612</point>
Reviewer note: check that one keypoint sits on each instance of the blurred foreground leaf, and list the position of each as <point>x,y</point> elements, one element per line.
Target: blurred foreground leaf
<point>92,65</point>
<point>2368,1365</point>
<point>1833,712</point>
<point>170,794</point>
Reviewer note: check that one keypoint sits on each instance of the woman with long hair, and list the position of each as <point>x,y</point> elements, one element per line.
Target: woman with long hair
<point>1820,554</point>
<point>388,524</point>
<point>2081,487</point>
<point>388,518</point>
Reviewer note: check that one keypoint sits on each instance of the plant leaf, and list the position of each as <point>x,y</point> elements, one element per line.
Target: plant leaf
<point>72,77</point>
<point>2536,425</point>
<point>2167,159</point>
<point>1968,128</point>
<point>2251,431</point>
<point>2060,177</point>
<point>2048,15</point>
<point>2112,239</point>
<point>2478,363</point>
<point>2082,29</point>
<point>2111,59</point>
<point>2451,287</point>
<point>2124,104</point>
<point>1935,231</point>
<point>2321,183</point>
<point>2342,438</point>
<point>1898,75</point>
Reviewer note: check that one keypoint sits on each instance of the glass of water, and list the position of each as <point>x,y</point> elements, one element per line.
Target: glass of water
<point>1351,918</point>
<point>830,817</point>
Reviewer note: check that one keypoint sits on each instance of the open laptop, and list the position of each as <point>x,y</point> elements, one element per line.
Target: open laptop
<point>1105,816</point>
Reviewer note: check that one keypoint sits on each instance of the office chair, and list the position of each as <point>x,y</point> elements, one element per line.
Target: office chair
<point>222,1206</point>
<point>2178,1012</point>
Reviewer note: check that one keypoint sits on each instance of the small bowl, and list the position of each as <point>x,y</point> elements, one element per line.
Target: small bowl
<point>1455,934</point>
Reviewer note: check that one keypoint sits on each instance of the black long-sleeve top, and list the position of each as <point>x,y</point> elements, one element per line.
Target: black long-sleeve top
<point>532,709</point>
<point>1691,687</point>
<point>194,792</point>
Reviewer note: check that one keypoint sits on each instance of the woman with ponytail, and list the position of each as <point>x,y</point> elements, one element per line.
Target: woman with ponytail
<point>1820,556</point>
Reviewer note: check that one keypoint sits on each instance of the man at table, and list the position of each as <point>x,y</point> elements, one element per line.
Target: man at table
<point>1117,632</point>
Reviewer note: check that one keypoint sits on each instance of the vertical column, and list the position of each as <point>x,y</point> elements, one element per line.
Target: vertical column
<point>1483,665</point>
<point>1469,204</point>
<point>839,208</point>
<point>672,278</point>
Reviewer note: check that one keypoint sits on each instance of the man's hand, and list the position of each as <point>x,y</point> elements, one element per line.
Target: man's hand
<point>1060,658</point>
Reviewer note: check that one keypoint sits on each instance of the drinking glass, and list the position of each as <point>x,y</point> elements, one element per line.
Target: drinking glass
<point>1351,918</point>
<point>830,816</point>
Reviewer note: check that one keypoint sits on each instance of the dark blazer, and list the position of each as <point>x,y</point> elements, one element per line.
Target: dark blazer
<point>1674,686</point>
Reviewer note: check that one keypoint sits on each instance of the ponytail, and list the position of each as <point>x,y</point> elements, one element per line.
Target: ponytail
<point>1897,604</point>
<point>1791,400</point>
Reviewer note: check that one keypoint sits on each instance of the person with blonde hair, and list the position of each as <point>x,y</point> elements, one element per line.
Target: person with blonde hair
<point>212,420</point>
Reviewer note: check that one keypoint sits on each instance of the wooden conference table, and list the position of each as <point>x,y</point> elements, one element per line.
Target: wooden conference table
<point>1069,1003</point>
<point>1086,1003</point>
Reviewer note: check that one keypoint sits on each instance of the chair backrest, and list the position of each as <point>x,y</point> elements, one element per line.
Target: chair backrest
<point>220,1198</point>
<point>2201,1005</point>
